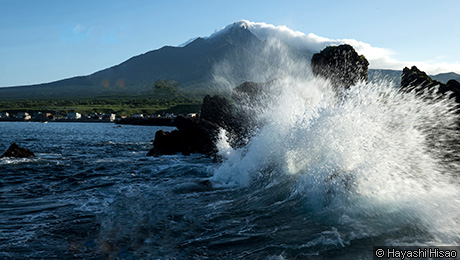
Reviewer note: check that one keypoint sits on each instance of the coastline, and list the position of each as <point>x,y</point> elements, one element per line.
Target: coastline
<point>58,120</point>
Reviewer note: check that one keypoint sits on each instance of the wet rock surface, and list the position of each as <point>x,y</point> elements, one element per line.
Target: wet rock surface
<point>192,136</point>
<point>342,65</point>
<point>416,80</point>
<point>15,151</point>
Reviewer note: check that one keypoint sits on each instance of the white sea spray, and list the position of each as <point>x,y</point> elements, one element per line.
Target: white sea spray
<point>371,159</point>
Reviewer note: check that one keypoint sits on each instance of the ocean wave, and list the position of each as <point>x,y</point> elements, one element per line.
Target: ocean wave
<point>368,161</point>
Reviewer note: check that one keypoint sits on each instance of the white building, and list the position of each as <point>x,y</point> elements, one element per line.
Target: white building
<point>110,117</point>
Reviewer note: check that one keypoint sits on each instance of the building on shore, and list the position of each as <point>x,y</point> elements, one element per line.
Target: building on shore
<point>4,115</point>
<point>112,117</point>
<point>73,115</point>
<point>42,116</point>
<point>138,116</point>
<point>23,115</point>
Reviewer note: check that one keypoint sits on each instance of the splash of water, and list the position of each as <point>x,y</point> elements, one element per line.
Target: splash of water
<point>372,159</point>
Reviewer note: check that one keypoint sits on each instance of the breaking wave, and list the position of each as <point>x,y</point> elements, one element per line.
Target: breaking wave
<point>369,161</point>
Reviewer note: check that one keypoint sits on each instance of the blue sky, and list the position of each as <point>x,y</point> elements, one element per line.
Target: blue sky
<point>47,40</point>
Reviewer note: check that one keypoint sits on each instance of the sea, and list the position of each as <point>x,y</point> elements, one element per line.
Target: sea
<point>323,176</point>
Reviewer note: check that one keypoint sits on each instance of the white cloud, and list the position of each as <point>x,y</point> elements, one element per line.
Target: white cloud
<point>379,58</point>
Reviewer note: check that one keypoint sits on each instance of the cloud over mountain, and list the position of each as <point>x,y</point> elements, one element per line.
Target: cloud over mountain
<point>379,58</point>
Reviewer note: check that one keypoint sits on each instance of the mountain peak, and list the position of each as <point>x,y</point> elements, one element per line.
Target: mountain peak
<point>245,24</point>
<point>242,24</point>
<point>282,33</point>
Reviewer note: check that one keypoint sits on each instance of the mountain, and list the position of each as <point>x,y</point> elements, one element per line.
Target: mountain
<point>191,66</point>
<point>444,77</point>
<point>198,67</point>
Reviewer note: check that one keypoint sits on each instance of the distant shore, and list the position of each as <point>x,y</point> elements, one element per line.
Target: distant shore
<point>58,120</point>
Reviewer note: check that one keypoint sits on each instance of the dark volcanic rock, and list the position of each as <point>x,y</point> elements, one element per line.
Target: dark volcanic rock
<point>195,135</point>
<point>166,143</point>
<point>192,136</point>
<point>200,135</point>
<point>342,65</point>
<point>453,86</point>
<point>17,152</point>
<point>250,99</point>
<point>216,110</point>
<point>416,80</point>
<point>248,92</point>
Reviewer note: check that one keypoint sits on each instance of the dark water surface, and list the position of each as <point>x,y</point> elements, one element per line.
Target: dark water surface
<point>91,193</point>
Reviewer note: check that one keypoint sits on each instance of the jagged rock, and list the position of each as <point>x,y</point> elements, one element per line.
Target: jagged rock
<point>342,65</point>
<point>453,83</point>
<point>199,136</point>
<point>453,86</point>
<point>216,110</point>
<point>248,92</point>
<point>192,136</point>
<point>416,80</point>
<point>250,98</point>
<point>17,152</point>
<point>166,143</point>
<point>195,135</point>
